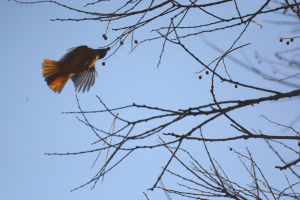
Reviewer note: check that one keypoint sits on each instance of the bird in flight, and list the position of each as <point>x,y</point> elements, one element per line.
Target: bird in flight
<point>78,64</point>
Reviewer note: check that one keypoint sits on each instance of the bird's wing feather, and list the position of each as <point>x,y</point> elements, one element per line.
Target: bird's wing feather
<point>84,80</point>
<point>70,55</point>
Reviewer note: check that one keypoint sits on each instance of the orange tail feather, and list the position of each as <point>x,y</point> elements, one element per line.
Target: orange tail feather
<point>53,76</point>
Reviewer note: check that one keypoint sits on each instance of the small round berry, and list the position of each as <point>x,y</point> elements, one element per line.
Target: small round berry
<point>207,72</point>
<point>281,40</point>
<point>103,63</point>
<point>104,35</point>
<point>135,41</point>
<point>230,149</point>
<point>105,38</point>
<point>292,39</point>
<point>121,42</point>
<point>288,42</point>
<point>236,86</point>
<point>200,77</point>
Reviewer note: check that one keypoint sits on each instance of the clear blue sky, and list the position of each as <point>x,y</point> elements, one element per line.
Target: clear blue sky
<point>31,116</point>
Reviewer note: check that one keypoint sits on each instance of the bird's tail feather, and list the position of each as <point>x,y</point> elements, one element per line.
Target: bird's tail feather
<point>53,76</point>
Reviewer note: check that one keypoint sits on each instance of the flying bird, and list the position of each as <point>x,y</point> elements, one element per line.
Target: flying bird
<point>78,64</point>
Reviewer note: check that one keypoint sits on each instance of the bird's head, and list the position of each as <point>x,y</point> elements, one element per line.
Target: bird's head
<point>102,52</point>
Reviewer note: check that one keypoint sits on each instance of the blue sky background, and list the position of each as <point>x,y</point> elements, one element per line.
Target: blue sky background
<point>31,116</point>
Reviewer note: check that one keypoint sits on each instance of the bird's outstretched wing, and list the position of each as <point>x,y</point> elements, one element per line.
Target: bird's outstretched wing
<point>85,80</point>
